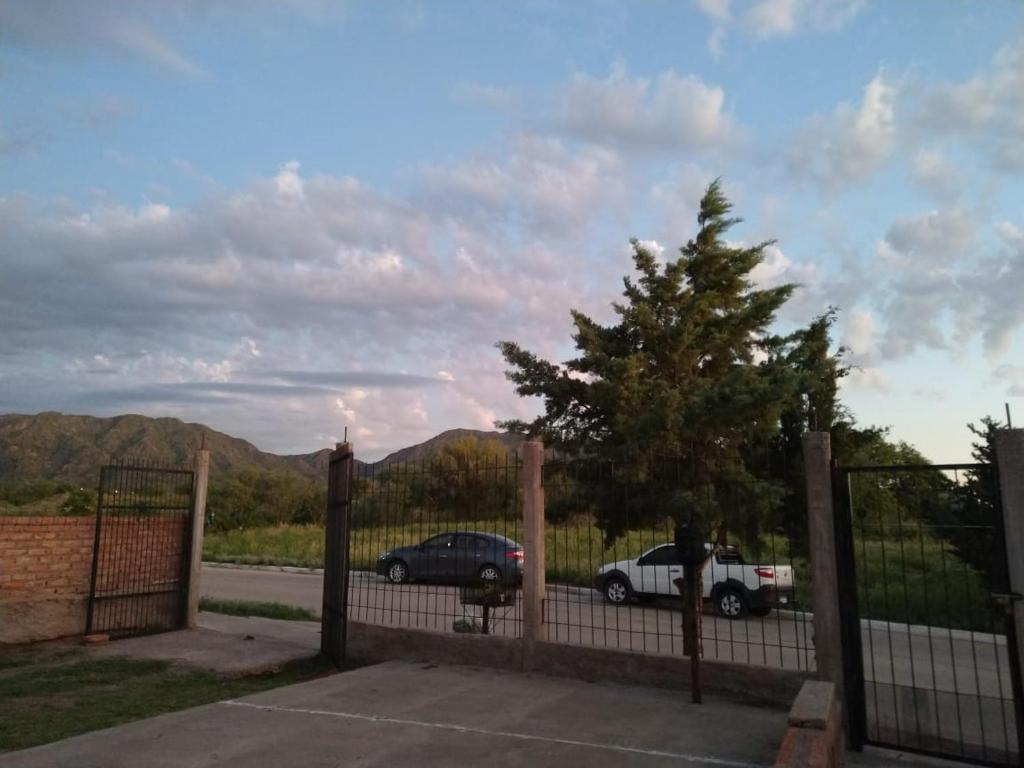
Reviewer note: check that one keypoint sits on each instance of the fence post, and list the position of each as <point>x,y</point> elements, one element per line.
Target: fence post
<point>202,479</point>
<point>828,649</point>
<point>1010,461</point>
<point>533,541</point>
<point>334,616</point>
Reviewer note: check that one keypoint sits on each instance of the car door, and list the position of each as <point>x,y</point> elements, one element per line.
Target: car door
<point>467,551</point>
<point>655,570</point>
<point>435,557</point>
<point>667,567</point>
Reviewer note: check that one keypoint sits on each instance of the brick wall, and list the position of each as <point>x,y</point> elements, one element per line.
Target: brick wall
<point>46,569</point>
<point>45,556</point>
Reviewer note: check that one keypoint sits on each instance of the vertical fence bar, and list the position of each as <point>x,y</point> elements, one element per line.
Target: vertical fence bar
<point>846,578</point>
<point>533,540</point>
<point>334,618</point>
<point>90,609</point>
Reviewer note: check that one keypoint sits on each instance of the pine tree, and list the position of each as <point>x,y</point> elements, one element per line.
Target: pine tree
<point>691,370</point>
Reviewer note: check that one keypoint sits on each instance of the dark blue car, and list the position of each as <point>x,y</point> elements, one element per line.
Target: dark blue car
<point>454,558</point>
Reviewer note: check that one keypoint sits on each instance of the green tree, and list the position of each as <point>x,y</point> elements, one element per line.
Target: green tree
<point>691,370</point>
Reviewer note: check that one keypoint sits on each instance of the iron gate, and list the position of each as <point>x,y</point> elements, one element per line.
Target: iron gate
<point>142,549</point>
<point>926,611</point>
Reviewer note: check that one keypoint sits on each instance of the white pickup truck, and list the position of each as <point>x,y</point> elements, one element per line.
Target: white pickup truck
<point>732,585</point>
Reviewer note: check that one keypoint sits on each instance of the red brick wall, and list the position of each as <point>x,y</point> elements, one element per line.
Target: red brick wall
<point>46,569</point>
<point>43,557</point>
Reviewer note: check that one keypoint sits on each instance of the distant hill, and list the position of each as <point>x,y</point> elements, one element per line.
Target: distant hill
<point>427,448</point>
<point>55,446</point>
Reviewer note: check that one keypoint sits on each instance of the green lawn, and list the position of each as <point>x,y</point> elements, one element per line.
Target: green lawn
<point>53,692</point>
<point>264,610</point>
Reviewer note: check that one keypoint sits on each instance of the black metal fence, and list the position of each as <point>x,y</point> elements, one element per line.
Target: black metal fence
<point>611,561</point>
<point>926,626</point>
<point>435,544</point>
<point>142,549</point>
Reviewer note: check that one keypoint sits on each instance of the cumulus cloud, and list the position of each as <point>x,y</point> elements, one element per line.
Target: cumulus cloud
<point>540,182</point>
<point>667,112</point>
<point>766,19</point>
<point>934,175</point>
<point>851,144</point>
<point>986,109</point>
<point>268,303</point>
<point>935,237</point>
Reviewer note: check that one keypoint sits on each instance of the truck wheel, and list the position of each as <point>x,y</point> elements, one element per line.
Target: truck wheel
<point>731,603</point>
<point>616,590</point>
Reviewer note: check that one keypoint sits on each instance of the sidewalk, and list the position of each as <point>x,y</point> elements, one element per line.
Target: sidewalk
<point>227,645</point>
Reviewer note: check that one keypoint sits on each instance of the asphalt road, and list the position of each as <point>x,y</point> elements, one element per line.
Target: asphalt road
<point>929,684</point>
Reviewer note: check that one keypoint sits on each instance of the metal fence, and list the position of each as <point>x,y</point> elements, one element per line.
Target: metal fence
<point>611,562</point>
<point>435,544</point>
<point>142,549</point>
<point>922,554</point>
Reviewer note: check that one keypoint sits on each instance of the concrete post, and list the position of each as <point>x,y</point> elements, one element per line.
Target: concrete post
<point>828,649</point>
<point>202,479</point>
<point>334,617</point>
<point>1010,459</point>
<point>533,541</point>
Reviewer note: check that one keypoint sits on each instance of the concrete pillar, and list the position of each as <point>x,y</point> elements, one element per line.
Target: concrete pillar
<point>1010,459</point>
<point>533,541</point>
<point>828,649</point>
<point>334,616</point>
<point>202,479</point>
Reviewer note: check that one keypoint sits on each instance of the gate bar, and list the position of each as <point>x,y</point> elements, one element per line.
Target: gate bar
<point>849,611</point>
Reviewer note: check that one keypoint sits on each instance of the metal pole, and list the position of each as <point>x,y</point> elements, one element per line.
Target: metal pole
<point>334,617</point>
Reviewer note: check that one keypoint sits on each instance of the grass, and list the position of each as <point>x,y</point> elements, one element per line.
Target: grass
<point>52,693</point>
<point>264,610</point>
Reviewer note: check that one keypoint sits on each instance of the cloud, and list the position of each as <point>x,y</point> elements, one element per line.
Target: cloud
<point>667,112</point>
<point>540,183</point>
<point>766,19</point>
<point>98,26</point>
<point>986,109</point>
<point>851,144</point>
<point>934,175</point>
<point>339,379</point>
<point>935,237</point>
<point>263,305</point>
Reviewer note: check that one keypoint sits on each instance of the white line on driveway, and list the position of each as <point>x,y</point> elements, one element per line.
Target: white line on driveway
<point>699,759</point>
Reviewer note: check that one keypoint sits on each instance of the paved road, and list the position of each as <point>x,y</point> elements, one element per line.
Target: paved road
<point>931,685</point>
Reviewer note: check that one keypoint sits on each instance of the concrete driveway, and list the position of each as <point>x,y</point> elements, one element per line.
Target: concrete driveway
<point>398,714</point>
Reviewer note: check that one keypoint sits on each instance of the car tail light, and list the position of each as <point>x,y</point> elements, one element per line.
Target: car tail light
<point>514,554</point>
<point>765,573</point>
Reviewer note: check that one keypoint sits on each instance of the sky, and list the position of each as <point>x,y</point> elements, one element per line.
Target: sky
<point>288,219</point>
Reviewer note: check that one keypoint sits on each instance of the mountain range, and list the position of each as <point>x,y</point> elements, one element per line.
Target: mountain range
<point>57,446</point>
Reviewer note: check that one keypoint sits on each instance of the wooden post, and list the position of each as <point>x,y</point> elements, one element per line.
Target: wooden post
<point>533,541</point>
<point>691,588</point>
<point>202,479</point>
<point>334,616</point>
<point>1010,460</point>
<point>828,649</point>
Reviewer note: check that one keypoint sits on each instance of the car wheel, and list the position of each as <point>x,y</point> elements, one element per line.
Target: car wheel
<point>731,604</point>
<point>616,590</point>
<point>490,573</point>
<point>398,572</point>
